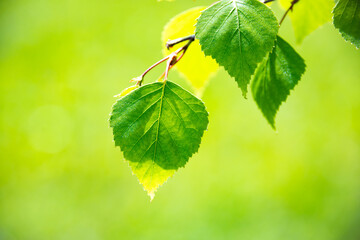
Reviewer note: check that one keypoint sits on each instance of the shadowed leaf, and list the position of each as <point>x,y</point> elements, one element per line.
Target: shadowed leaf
<point>276,76</point>
<point>347,20</point>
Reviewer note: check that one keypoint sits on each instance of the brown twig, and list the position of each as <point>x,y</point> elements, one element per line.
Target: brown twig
<point>288,10</point>
<point>171,59</point>
<point>172,43</point>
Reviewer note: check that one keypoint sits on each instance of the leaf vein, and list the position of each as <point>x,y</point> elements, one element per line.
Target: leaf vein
<point>196,113</point>
<point>142,114</point>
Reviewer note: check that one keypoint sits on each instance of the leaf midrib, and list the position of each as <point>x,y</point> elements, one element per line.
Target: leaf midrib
<point>160,111</point>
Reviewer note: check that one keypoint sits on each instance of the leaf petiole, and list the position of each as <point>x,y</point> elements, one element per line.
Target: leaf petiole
<point>174,42</point>
<point>171,59</point>
<point>293,2</point>
<point>140,79</point>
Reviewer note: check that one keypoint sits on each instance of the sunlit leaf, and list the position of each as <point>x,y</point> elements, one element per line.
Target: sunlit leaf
<point>158,127</point>
<point>195,67</point>
<point>347,20</point>
<point>238,34</point>
<point>127,91</point>
<point>308,15</point>
<point>275,77</point>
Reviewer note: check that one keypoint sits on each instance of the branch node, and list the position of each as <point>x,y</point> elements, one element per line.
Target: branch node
<point>171,43</point>
<point>171,59</point>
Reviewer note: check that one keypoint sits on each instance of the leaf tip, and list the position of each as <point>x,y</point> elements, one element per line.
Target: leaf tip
<point>199,92</point>
<point>270,119</point>
<point>273,127</point>
<point>151,195</point>
<point>244,93</point>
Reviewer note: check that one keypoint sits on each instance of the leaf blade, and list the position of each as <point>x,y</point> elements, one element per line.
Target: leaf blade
<point>308,15</point>
<point>158,126</point>
<point>347,20</point>
<point>279,73</point>
<point>255,31</point>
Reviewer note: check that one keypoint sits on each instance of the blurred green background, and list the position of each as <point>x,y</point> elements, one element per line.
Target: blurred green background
<point>61,63</point>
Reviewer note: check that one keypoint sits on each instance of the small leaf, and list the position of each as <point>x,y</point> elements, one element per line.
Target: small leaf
<point>308,15</point>
<point>237,34</point>
<point>158,127</point>
<point>275,77</point>
<point>127,91</point>
<point>195,66</point>
<point>347,20</point>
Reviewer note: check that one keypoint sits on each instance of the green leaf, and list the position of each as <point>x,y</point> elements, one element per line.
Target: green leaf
<point>237,34</point>
<point>308,15</point>
<point>275,77</point>
<point>347,20</point>
<point>158,128</point>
